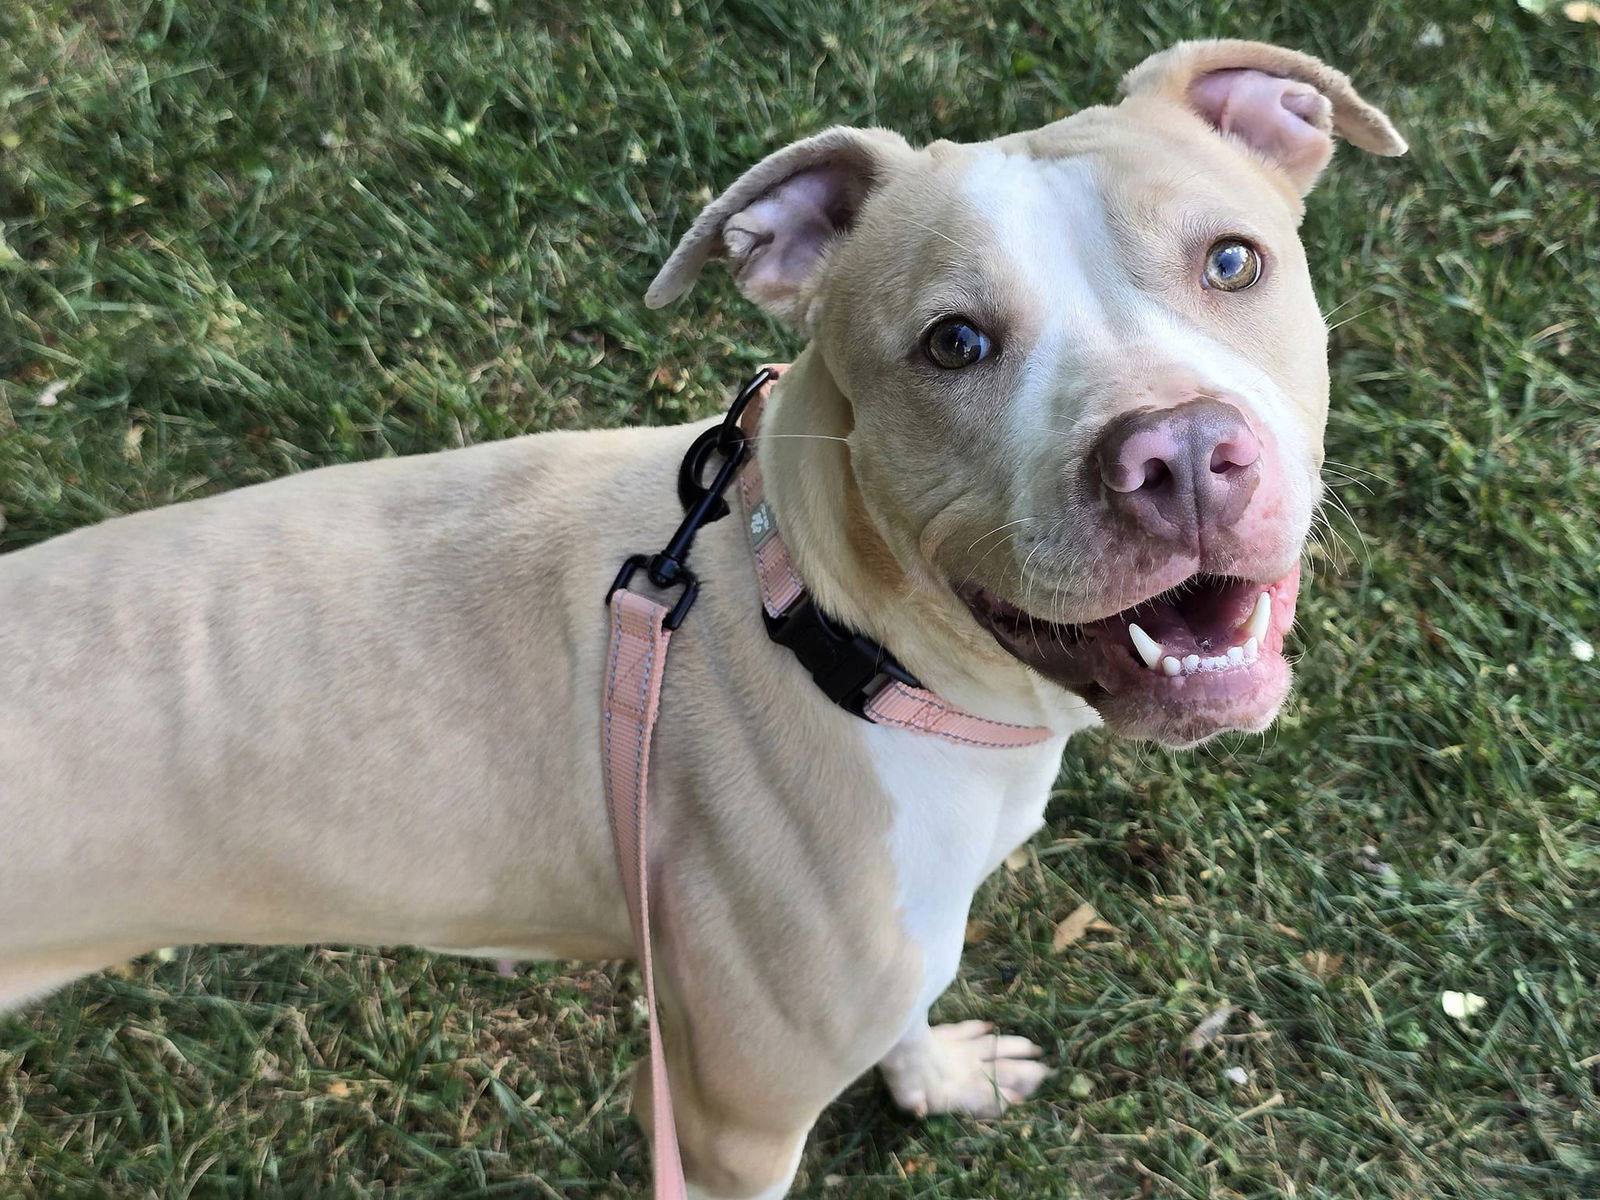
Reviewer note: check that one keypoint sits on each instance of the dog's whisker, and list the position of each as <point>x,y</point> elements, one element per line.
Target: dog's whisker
<point>1019,521</point>
<point>1344,466</point>
<point>1356,317</point>
<point>962,246</point>
<point>1350,299</point>
<point>971,571</point>
<point>1345,481</point>
<point>1338,504</point>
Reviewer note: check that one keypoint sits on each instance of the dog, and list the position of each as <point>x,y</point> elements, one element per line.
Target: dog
<point>1054,442</point>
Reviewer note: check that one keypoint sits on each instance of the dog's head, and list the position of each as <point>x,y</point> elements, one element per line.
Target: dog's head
<point>1086,369</point>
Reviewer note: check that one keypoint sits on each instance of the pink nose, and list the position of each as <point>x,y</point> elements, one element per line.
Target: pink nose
<point>1181,471</point>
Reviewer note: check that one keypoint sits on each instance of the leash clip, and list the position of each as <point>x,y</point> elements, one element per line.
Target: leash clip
<point>702,503</point>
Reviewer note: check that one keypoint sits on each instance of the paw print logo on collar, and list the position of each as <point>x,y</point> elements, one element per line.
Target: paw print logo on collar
<point>762,524</point>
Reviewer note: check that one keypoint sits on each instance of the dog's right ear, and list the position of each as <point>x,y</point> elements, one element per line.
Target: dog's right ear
<point>777,222</point>
<point>1284,105</point>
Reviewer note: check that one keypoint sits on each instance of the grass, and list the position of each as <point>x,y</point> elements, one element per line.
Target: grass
<point>247,238</point>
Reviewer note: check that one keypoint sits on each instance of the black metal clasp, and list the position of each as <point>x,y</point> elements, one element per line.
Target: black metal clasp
<point>702,503</point>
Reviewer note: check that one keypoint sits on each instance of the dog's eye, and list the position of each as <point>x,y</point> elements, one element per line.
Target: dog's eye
<point>955,343</point>
<point>1232,265</point>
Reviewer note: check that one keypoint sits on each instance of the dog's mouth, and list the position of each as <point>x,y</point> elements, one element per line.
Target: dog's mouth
<point>1194,661</point>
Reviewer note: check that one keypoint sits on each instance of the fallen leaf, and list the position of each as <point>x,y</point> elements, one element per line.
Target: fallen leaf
<point>1321,964</point>
<point>978,931</point>
<point>1073,926</point>
<point>1290,931</point>
<point>338,1089</point>
<point>1017,859</point>
<point>1208,1030</point>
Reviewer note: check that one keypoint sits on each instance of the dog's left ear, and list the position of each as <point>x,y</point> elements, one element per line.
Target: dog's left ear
<point>1284,105</point>
<point>777,222</point>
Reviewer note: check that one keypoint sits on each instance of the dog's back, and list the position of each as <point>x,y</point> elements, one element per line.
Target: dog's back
<point>240,694</point>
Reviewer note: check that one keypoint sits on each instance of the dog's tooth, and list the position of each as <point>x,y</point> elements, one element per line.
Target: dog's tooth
<point>1236,655</point>
<point>1191,663</point>
<point>1149,649</point>
<point>1261,619</point>
<point>1171,665</point>
<point>1251,649</point>
<point>1215,663</point>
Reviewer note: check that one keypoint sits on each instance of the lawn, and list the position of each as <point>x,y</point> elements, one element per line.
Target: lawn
<point>240,239</point>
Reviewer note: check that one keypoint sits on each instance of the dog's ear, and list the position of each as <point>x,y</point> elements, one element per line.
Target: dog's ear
<point>777,222</point>
<point>1284,105</point>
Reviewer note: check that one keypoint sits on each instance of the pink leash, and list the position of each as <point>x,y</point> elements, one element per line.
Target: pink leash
<point>639,638</point>
<point>641,629</point>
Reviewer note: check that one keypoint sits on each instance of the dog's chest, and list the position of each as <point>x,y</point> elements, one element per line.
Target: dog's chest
<point>958,811</point>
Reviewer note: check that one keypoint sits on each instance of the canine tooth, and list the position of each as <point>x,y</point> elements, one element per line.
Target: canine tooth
<point>1261,618</point>
<point>1171,665</point>
<point>1192,663</point>
<point>1236,655</point>
<point>1149,649</point>
<point>1251,649</point>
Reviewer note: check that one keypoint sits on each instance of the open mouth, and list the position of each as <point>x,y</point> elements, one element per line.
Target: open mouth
<point>1196,660</point>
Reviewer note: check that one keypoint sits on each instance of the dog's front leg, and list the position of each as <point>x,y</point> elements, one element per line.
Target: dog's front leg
<point>965,1068</point>
<point>730,1152</point>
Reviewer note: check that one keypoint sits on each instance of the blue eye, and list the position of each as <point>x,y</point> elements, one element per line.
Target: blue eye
<point>1232,265</point>
<point>955,343</point>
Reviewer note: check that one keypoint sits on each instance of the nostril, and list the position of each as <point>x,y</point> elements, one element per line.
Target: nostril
<point>1232,457</point>
<point>1156,475</point>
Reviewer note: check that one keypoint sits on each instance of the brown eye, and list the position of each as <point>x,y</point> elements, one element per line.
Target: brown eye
<point>1232,265</point>
<point>955,343</point>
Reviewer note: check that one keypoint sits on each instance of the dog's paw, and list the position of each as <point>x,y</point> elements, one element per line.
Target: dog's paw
<point>964,1068</point>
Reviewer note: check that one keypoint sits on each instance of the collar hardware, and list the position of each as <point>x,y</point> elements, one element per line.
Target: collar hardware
<point>855,672</point>
<point>702,503</point>
<point>849,667</point>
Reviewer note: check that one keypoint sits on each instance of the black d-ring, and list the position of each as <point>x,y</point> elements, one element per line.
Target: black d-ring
<point>702,503</point>
<point>728,439</point>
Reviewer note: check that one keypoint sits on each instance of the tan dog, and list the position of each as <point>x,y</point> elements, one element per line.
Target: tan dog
<point>1057,433</point>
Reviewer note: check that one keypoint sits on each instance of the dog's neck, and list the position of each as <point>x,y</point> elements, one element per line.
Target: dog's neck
<point>854,576</point>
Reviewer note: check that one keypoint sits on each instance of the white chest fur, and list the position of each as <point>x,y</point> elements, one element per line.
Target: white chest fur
<point>958,811</point>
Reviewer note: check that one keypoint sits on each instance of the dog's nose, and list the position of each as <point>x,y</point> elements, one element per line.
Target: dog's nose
<point>1185,470</point>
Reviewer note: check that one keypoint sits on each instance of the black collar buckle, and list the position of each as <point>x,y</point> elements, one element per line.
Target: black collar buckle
<point>849,667</point>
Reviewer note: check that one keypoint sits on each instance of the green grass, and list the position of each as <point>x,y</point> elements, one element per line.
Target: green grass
<point>253,238</point>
